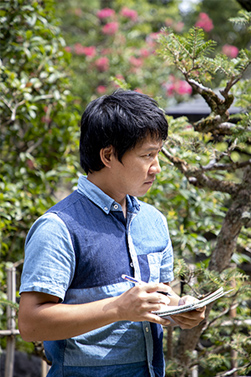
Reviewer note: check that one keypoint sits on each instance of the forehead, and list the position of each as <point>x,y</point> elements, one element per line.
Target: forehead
<point>149,143</point>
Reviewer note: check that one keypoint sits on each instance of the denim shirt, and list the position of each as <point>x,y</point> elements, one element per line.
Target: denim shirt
<point>82,246</point>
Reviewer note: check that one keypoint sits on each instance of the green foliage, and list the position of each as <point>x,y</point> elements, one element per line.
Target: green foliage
<point>192,56</point>
<point>243,19</point>
<point>39,134</point>
<point>39,123</point>
<point>39,120</point>
<point>198,214</point>
<point>190,48</point>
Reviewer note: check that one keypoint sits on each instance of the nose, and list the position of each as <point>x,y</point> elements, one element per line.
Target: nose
<point>155,167</point>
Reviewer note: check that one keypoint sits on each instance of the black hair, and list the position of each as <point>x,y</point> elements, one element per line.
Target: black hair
<point>121,120</point>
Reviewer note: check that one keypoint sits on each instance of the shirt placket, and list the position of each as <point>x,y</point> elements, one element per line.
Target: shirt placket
<point>137,274</point>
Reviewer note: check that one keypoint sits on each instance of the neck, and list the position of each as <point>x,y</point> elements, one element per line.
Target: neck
<point>102,181</point>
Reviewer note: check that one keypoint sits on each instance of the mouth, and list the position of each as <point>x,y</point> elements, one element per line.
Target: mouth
<point>150,182</point>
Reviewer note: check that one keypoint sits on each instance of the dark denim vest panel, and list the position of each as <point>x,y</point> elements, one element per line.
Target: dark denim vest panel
<point>94,235</point>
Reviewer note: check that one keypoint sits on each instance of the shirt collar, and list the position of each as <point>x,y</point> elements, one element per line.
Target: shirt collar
<point>105,202</point>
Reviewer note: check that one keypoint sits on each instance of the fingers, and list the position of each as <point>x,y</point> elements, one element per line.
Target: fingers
<point>186,300</point>
<point>159,287</point>
<point>152,301</point>
<point>138,303</point>
<point>151,293</point>
<point>190,319</point>
<point>156,319</point>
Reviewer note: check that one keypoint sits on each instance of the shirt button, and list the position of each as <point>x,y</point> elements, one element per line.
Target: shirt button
<point>115,206</point>
<point>147,329</point>
<point>131,264</point>
<point>105,208</point>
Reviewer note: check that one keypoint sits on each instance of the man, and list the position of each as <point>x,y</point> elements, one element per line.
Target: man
<point>94,323</point>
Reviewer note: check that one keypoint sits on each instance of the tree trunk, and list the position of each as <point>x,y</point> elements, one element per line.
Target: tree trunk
<point>237,216</point>
<point>187,342</point>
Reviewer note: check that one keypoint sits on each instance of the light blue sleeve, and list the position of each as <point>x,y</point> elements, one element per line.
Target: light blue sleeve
<point>166,269</point>
<point>49,262</point>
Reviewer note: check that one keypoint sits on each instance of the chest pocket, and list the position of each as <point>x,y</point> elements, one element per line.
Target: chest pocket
<point>154,262</point>
<point>150,266</point>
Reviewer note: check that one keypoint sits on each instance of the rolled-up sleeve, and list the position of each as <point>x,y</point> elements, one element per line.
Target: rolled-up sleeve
<point>49,262</point>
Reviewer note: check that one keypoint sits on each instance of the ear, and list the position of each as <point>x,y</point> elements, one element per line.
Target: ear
<point>106,155</point>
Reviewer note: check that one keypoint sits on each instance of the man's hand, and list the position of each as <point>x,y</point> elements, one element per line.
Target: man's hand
<point>188,320</point>
<point>138,303</point>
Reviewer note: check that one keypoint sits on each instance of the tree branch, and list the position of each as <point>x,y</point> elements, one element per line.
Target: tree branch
<point>227,127</point>
<point>231,372</point>
<point>208,94</point>
<point>228,167</point>
<point>197,177</point>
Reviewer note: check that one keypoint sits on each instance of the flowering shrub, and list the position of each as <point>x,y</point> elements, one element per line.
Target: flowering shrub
<point>230,51</point>
<point>205,22</point>
<point>175,86</point>
<point>111,28</point>
<point>119,48</point>
<point>83,50</point>
<point>176,26</point>
<point>136,62</point>
<point>105,13</point>
<point>101,89</point>
<point>129,13</point>
<point>121,40</point>
<point>102,64</point>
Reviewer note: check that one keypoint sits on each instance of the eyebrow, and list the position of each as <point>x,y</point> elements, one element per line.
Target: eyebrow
<point>152,148</point>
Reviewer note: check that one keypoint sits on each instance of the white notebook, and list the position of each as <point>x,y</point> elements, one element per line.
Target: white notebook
<point>171,310</point>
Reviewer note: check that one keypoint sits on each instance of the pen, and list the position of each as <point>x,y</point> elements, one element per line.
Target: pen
<point>135,281</point>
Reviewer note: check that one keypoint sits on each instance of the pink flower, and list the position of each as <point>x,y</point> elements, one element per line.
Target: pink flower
<point>178,27</point>
<point>170,89</point>
<point>83,50</point>
<point>176,86</point>
<point>67,48</point>
<point>183,88</point>
<point>101,89</point>
<point>111,28</point>
<point>129,13</point>
<point>105,13</point>
<point>205,22</point>
<point>102,64</point>
<point>151,39</point>
<point>136,62</point>
<point>144,53</point>
<point>106,51</point>
<point>120,77</point>
<point>90,51</point>
<point>230,51</point>
<point>79,49</point>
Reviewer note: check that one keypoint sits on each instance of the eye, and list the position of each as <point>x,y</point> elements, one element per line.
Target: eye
<point>147,155</point>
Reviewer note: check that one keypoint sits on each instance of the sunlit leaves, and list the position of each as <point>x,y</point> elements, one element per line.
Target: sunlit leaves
<point>39,125</point>
<point>188,52</point>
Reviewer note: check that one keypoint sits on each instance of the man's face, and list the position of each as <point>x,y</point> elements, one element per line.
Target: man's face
<point>137,172</point>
